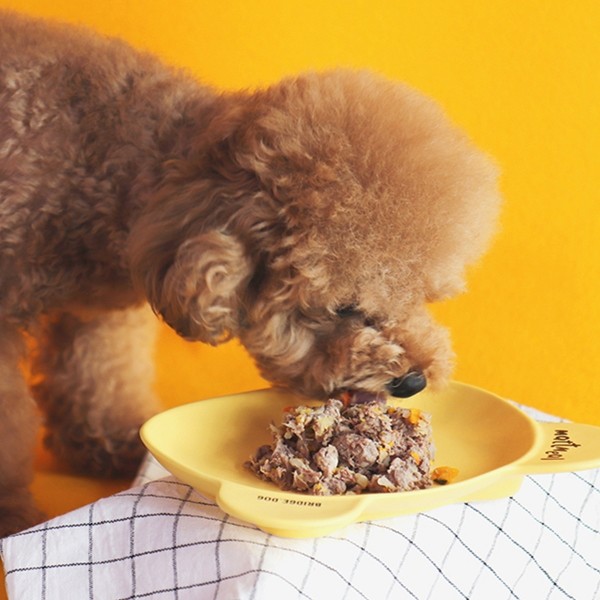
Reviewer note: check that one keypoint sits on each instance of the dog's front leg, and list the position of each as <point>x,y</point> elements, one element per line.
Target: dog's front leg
<point>94,382</point>
<point>18,426</point>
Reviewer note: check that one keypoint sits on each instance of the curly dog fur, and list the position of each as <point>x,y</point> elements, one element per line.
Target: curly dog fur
<point>314,220</point>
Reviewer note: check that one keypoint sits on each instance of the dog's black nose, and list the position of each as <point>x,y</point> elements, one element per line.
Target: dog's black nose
<point>407,385</point>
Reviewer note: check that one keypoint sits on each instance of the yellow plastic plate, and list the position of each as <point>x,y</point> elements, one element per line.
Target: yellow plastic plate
<point>490,441</point>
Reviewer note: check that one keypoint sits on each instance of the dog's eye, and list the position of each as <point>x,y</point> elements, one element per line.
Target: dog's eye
<point>347,310</point>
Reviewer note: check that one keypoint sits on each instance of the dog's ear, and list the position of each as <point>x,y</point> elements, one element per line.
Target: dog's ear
<point>198,294</point>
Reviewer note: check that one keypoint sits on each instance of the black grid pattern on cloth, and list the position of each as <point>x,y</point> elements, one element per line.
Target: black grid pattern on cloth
<point>164,540</point>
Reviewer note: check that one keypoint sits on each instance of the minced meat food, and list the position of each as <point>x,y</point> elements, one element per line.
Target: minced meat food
<point>337,449</point>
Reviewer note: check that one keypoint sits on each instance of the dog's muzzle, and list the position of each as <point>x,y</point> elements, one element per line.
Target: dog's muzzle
<point>407,385</point>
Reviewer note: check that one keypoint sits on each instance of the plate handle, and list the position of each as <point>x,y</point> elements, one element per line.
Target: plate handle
<point>284,514</point>
<point>563,447</point>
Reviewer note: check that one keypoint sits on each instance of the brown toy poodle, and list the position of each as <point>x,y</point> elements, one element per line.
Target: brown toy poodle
<point>313,220</point>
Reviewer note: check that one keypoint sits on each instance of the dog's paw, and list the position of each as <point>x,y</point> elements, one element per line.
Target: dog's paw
<point>107,456</point>
<point>18,512</point>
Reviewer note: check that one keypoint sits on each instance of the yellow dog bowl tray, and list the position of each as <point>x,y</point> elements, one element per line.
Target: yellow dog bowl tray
<point>491,442</point>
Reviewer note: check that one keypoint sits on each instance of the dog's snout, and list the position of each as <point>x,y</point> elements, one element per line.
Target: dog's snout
<point>407,385</point>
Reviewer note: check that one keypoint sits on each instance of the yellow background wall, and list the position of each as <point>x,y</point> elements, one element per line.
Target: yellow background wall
<point>520,76</point>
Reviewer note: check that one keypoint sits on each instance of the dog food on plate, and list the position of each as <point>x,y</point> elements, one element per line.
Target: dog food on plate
<point>336,449</point>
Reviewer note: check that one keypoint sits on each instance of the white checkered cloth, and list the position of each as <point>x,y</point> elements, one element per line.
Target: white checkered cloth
<point>163,540</point>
